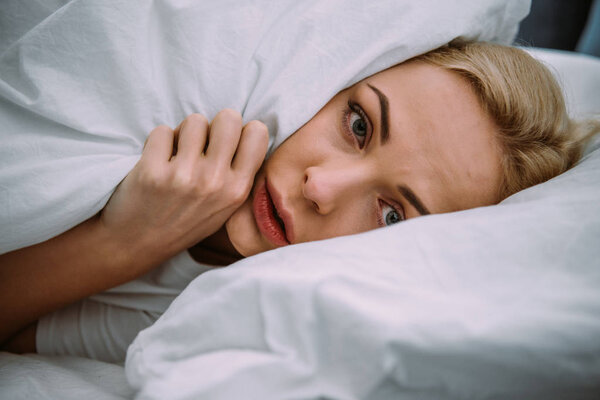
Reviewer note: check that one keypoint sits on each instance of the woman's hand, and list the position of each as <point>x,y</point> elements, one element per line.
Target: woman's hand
<point>188,182</point>
<point>186,185</point>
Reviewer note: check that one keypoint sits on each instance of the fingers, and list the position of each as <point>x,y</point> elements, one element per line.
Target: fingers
<point>229,145</point>
<point>252,148</point>
<point>159,145</point>
<point>192,132</point>
<point>224,137</point>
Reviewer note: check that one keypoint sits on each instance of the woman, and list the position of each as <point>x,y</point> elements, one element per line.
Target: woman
<point>463,126</point>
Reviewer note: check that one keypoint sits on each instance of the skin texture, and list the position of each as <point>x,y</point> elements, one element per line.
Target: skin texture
<point>441,145</point>
<point>335,176</point>
<point>187,183</point>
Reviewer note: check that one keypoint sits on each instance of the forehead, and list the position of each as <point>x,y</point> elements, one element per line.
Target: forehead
<point>442,133</point>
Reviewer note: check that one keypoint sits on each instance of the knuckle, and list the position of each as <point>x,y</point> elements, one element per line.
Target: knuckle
<point>160,130</point>
<point>257,135</point>
<point>152,178</point>
<point>239,191</point>
<point>183,181</point>
<point>196,118</point>
<point>230,114</point>
<point>257,127</point>
<point>213,182</point>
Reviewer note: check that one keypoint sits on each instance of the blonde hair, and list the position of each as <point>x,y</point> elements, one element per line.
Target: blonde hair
<point>522,96</point>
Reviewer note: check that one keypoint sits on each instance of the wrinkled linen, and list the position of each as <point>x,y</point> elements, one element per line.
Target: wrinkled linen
<point>497,302</point>
<point>83,82</point>
<point>35,377</point>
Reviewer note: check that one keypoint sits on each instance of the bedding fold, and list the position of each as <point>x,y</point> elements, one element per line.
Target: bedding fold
<point>84,82</point>
<point>496,302</point>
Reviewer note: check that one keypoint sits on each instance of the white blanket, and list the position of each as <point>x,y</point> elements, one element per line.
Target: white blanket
<point>494,303</point>
<point>498,302</point>
<point>83,82</point>
<point>35,377</point>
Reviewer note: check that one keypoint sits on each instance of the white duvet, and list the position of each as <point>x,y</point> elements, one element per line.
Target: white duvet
<point>83,82</point>
<point>493,303</point>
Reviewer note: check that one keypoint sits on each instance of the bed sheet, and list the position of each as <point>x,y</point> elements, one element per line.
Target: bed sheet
<point>498,302</point>
<point>65,378</point>
<point>35,377</point>
<point>268,347</point>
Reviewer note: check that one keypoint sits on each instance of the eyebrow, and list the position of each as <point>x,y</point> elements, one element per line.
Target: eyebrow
<point>384,128</point>
<point>413,199</point>
<point>384,121</point>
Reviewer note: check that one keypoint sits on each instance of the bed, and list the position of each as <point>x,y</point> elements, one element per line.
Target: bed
<point>492,303</point>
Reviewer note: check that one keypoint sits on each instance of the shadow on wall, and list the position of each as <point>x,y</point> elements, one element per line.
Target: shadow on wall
<point>572,25</point>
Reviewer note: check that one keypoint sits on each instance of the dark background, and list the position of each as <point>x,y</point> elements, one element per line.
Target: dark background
<point>572,25</point>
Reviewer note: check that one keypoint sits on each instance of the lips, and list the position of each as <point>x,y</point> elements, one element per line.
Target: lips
<point>270,223</point>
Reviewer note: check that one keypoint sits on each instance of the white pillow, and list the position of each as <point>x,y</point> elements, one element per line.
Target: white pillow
<point>497,302</point>
<point>81,88</point>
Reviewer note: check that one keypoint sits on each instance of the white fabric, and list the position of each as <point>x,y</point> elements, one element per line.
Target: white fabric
<point>103,326</point>
<point>498,302</point>
<point>83,82</point>
<point>91,329</point>
<point>35,377</point>
<point>579,76</point>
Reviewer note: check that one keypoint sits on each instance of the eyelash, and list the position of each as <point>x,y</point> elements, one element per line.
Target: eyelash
<point>354,108</point>
<point>381,221</point>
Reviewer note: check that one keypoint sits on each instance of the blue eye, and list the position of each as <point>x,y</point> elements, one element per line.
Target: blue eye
<point>357,123</point>
<point>389,215</point>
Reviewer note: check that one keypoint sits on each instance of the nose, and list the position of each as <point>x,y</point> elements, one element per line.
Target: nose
<point>327,187</point>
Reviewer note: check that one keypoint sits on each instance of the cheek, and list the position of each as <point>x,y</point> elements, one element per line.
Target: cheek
<point>355,217</point>
<point>356,220</point>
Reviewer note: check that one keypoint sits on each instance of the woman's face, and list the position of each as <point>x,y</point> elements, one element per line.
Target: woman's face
<point>409,141</point>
